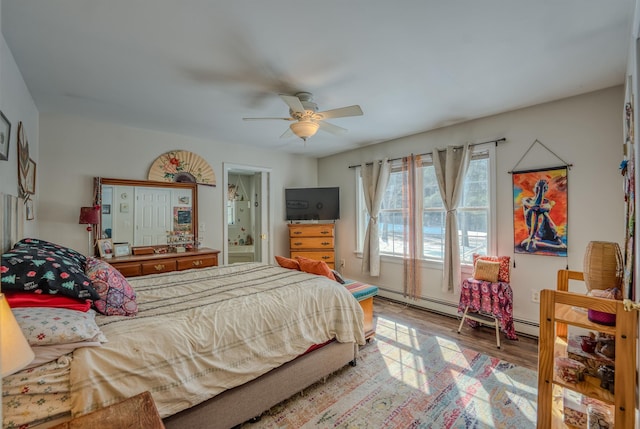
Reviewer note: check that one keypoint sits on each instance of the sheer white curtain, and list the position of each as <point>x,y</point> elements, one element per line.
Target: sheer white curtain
<point>412,218</point>
<point>451,167</point>
<point>375,177</point>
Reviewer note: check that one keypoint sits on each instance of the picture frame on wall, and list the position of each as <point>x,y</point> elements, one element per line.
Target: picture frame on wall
<point>5,137</point>
<point>106,209</point>
<point>105,248</point>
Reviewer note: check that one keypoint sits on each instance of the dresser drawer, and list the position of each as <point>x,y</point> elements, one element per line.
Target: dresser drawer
<point>129,269</point>
<point>311,243</point>
<point>321,230</point>
<point>328,256</point>
<point>197,262</point>
<point>160,266</point>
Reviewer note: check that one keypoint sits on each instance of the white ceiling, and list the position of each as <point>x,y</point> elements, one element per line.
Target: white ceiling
<point>197,67</point>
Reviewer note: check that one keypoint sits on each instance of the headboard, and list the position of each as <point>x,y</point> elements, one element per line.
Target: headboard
<point>11,221</point>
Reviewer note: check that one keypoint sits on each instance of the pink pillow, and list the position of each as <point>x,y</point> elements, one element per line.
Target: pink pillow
<point>503,272</point>
<point>315,267</point>
<point>117,297</point>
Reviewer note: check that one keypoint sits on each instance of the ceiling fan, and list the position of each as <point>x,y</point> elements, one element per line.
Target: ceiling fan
<point>306,118</point>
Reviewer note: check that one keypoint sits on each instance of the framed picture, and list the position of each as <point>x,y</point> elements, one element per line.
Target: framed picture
<point>5,137</point>
<point>121,249</point>
<point>106,209</point>
<point>105,247</point>
<point>540,216</point>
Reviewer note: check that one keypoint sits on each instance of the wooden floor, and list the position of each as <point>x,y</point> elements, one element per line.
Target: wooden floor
<point>523,352</point>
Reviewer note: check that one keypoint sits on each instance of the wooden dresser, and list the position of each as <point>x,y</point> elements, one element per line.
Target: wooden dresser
<point>139,265</point>
<point>313,241</point>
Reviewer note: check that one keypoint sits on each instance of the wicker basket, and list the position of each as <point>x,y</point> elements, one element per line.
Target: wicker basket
<point>602,270</point>
<point>603,265</point>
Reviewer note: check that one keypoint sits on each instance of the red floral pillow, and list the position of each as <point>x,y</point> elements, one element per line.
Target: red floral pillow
<point>503,273</point>
<point>117,297</point>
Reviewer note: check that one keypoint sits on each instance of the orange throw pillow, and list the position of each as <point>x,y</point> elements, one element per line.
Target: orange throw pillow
<point>292,264</point>
<point>503,274</point>
<point>312,266</point>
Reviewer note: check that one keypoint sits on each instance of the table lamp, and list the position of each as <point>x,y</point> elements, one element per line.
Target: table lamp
<point>15,352</point>
<point>90,216</point>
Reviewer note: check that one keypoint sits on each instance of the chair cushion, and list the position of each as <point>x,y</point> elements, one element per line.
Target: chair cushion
<point>486,270</point>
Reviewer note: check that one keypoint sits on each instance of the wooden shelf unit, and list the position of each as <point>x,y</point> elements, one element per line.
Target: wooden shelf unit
<point>313,241</point>
<point>561,308</point>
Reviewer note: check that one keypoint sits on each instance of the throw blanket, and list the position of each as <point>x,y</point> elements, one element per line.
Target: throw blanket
<point>200,332</point>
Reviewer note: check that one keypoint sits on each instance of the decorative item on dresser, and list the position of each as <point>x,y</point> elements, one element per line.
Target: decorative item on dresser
<point>313,241</point>
<point>138,265</point>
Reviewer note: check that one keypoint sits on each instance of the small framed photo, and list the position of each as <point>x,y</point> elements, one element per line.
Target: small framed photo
<point>105,247</point>
<point>5,137</point>
<point>106,209</point>
<point>121,249</point>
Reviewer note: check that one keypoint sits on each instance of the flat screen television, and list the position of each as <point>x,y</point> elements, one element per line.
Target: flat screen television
<point>312,203</point>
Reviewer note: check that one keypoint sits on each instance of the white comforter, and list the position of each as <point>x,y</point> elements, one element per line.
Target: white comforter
<point>200,332</point>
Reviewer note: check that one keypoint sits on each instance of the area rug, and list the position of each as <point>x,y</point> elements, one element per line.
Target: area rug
<point>406,379</point>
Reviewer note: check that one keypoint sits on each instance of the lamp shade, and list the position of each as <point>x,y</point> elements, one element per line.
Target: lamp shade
<point>89,215</point>
<point>304,128</point>
<point>15,352</point>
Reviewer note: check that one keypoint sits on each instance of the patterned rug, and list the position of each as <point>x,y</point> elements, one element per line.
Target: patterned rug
<point>405,379</point>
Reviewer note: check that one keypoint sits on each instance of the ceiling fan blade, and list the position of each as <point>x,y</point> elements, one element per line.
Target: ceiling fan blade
<point>330,128</point>
<point>293,102</point>
<point>287,134</point>
<point>262,119</point>
<point>342,112</point>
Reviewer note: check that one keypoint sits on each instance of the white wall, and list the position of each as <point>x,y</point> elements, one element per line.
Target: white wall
<point>585,131</point>
<point>17,105</point>
<point>73,150</point>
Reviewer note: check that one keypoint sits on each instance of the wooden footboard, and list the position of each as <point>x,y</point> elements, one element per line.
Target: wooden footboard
<point>250,400</point>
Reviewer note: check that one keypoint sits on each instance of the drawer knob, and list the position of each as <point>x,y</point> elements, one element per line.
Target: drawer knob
<point>325,244</point>
<point>159,267</point>
<point>324,232</point>
<point>326,257</point>
<point>297,232</point>
<point>197,263</point>
<point>297,244</point>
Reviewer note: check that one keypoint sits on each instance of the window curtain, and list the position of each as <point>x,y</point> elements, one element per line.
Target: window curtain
<point>412,220</point>
<point>375,177</point>
<point>451,167</point>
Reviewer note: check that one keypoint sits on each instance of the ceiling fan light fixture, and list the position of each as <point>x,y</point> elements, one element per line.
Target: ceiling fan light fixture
<point>304,128</point>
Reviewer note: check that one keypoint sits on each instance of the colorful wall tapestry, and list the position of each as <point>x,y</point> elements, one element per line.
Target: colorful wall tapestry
<point>540,214</point>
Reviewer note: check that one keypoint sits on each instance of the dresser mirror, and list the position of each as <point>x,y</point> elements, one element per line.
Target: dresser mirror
<point>145,213</point>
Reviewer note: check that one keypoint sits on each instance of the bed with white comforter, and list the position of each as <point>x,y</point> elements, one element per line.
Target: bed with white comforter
<point>198,333</point>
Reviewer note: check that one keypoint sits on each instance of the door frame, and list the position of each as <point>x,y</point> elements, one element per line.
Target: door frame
<point>265,204</point>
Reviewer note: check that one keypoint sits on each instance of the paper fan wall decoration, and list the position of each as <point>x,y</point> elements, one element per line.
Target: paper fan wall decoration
<point>182,166</point>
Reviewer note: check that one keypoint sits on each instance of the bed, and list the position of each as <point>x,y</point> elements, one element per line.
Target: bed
<point>214,346</point>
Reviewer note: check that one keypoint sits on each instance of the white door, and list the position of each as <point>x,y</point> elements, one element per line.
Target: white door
<point>261,211</point>
<point>153,216</point>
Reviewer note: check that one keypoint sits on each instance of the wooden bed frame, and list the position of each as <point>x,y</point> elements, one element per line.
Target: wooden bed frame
<point>250,400</point>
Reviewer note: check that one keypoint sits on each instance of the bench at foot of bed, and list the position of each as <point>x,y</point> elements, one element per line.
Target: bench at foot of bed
<point>364,293</point>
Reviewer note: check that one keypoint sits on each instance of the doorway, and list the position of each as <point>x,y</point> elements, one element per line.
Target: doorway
<point>246,202</point>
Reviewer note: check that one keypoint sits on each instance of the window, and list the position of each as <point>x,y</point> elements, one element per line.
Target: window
<point>474,212</point>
